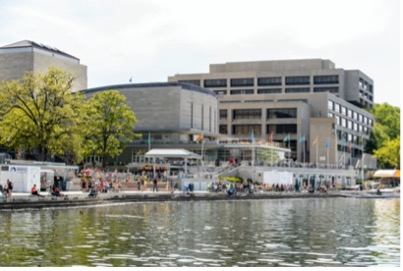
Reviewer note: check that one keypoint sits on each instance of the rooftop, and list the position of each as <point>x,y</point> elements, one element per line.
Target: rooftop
<point>28,43</point>
<point>150,85</point>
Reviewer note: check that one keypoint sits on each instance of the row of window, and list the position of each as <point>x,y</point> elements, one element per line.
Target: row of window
<point>344,111</point>
<point>277,113</point>
<point>346,123</point>
<point>366,95</point>
<point>365,85</point>
<point>349,138</point>
<point>245,130</point>
<point>277,90</point>
<point>266,81</point>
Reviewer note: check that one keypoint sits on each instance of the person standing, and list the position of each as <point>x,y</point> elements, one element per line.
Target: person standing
<point>155,186</point>
<point>171,185</point>
<point>10,187</point>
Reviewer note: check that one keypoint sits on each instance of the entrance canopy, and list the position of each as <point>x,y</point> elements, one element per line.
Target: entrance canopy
<point>172,153</point>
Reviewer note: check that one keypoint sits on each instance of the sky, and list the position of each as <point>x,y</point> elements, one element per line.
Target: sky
<point>149,40</point>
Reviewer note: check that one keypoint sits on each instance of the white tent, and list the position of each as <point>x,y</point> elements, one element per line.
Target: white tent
<point>172,153</point>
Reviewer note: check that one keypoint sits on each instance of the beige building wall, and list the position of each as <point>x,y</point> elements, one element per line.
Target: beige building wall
<point>42,62</point>
<point>14,66</point>
<point>311,103</point>
<point>26,56</point>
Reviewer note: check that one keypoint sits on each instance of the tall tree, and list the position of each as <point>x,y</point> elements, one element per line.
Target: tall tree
<point>40,112</point>
<point>385,135</point>
<point>109,124</point>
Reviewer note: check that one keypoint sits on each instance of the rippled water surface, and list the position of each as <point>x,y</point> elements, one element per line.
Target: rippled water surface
<point>288,232</point>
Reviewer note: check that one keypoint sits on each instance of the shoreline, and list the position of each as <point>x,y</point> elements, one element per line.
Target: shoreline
<point>20,201</point>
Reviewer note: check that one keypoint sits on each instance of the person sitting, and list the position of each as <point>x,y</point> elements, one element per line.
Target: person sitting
<point>35,192</point>
<point>231,191</point>
<point>93,193</point>
<point>55,191</point>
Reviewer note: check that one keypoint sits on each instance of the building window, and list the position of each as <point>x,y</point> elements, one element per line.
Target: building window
<point>282,113</point>
<point>326,89</point>
<point>337,108</point>
<point>349,113</point>
<point>223,129</point>
<point>349,124</point>
<point>343,122</point>
<point>193,82</point>
<point>325,79</point>
<point>241,91</point>
<point>343,111</point>
<point>247,130</point>
<point>296,90</point>
<point>223,113</point>
<point>330,105</point>
<point>268,90</point>
<point>246,114</point>
<point>242,82</point>
<point>297,80</point>
<point>338,120</point>
<point>282,129</point>
<point>220,92</point>
<point>330,115</point>
<point>269,81</point>
<point>215,83</point>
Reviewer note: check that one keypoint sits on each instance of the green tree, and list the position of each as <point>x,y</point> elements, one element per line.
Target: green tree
<point>40,112</point>
<point>385,135</point>
<point>109,124</point>
<point>389,154</point>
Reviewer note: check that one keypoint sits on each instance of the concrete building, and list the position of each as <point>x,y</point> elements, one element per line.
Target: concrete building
<point>311,106</point>
<point>173,115</point>
<point>18,58</point>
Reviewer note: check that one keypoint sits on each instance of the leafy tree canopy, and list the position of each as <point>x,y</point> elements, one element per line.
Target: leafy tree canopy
<point>41,112</point>
<point>109,124</point>
<point>384,140</point>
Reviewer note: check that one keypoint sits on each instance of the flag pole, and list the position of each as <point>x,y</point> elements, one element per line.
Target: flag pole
<point>202,150</point>
<point>327,152</point>
<point>252,138</point>
<point>303,149</point>
<point>317,153</point>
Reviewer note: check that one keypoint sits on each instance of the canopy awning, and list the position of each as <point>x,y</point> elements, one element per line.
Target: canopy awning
<point>387,173</point>
<point>172,153</point>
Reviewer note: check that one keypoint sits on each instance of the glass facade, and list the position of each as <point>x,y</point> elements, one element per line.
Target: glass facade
<point>247,114</point>
<point>282,113</point>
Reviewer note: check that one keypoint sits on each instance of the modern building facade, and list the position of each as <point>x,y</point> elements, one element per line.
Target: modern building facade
<point>309,105</point>
<point>174,115</point>
<point>18,58</point>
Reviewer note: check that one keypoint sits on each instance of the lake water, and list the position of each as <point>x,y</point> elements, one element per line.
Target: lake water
<point>287,232</point>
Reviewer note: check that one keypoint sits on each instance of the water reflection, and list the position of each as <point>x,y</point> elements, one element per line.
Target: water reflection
<point>297,232</point>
